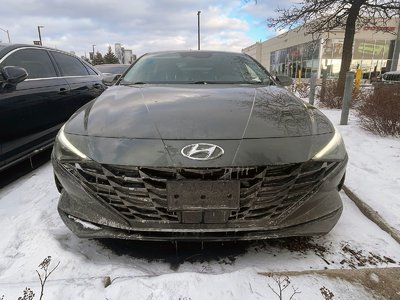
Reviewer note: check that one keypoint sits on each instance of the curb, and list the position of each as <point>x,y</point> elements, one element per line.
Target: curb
<point>372,214</point>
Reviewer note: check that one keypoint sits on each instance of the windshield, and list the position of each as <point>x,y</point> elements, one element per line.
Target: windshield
<point>114,69</point>
<point>196,67</point>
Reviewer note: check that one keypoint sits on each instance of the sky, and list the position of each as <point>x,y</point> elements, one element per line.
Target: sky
<point>142,26</point>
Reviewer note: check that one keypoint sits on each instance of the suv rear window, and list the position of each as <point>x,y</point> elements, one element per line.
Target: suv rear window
<point>69,65</point>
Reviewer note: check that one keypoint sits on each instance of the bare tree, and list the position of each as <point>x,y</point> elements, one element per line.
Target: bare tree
<point>282,283</point>
<point>44,265</point>
<point>318,16</point>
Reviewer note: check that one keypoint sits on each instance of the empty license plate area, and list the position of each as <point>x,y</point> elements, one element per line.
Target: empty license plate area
<point>203,195</point>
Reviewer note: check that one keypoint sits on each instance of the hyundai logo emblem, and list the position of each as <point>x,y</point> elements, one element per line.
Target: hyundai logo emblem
<point>202,151</point>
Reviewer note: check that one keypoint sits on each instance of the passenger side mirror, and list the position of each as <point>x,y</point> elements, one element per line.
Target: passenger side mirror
<point>284,80</point>
<point>14,75</point>
<point>111,79</point>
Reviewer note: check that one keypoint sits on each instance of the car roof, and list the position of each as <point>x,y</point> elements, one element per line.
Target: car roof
<point>5,48</point>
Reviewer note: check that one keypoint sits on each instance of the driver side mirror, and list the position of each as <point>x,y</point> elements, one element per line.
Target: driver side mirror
<point>284,80</point>
<point>13,75</point>
<point>110,80</point>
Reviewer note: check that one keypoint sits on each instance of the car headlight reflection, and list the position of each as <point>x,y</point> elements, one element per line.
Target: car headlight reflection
<point>62,139</point>
<point>334,150</point>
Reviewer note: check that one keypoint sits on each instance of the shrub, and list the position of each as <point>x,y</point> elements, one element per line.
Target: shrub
<point>301,89</point>
<point>379,111</point>
<point>327,95</point>
<point>329,98</point>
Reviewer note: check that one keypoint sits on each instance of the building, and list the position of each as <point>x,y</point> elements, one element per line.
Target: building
<point>128,56</point>
<point>124,56</point>
<point>118,52</point>
<point>294,53</point>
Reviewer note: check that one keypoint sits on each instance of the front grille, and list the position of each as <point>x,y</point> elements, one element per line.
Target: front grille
<point>267,193</point>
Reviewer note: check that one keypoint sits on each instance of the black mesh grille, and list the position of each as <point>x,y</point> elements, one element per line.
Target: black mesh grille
<point>267,192</point>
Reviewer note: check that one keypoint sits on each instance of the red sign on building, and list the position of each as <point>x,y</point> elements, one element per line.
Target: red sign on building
<point>380,28</point>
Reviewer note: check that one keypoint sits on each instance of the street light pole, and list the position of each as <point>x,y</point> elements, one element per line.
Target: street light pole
<point>40,36</point>
<point>8,34</point>
<point>93,53</point>
<point>198,30</point>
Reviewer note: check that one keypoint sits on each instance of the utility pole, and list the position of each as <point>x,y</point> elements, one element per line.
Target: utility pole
<point>8,34</point>
<point>93,53</point>
<point>348,90</point>
<point>198,30</point>
<point>40,36</point>
<point>396,51</point>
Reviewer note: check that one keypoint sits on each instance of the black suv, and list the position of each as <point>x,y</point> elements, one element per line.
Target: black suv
<point>40,88</point>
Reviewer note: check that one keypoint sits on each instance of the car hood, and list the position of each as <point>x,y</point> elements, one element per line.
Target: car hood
<point>197,112</point>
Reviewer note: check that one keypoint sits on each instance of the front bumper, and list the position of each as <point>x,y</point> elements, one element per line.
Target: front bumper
<point>89,216</point>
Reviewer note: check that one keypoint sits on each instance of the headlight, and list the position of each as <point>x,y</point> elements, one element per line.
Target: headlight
<point>334,150</point>
<point>63,147</point>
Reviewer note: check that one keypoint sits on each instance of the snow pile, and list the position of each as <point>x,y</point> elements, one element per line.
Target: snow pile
<point>373,171</point>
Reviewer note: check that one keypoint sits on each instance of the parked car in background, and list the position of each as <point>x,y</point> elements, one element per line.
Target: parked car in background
<point>112,69</point>
<point>40,88</point>
<point>199,145</point>
<point>392,76</point>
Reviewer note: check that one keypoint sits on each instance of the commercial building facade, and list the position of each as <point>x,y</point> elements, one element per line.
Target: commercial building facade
<point>296,54</point>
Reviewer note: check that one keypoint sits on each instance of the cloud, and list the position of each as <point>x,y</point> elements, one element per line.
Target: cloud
<point>142,26</point>
<point>281,31</point>
<point>265,9</point>
<point>216,19</point>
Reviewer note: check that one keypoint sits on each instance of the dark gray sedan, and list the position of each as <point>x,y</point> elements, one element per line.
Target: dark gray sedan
<point>198,145</point>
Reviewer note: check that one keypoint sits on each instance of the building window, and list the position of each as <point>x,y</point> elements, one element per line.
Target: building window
<point>371,56</point>
<point>300,60</point>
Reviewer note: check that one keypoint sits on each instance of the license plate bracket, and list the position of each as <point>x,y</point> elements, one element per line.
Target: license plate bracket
<point>195,195</point>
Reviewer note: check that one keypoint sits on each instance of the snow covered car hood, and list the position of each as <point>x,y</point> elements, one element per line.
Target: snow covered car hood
<point>197,112</point>
<point>149,126</point>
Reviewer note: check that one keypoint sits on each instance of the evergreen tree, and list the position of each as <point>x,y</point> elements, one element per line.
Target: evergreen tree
<point>110,58</point>
<point>98,59</point>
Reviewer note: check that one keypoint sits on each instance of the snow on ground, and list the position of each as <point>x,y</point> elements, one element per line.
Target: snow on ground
<point>373,171</point>
<point>31,230</point>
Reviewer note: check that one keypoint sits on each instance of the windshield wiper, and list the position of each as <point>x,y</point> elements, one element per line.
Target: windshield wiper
<point>227,82</point>
<point>204,82</point>
<point>265,82</point>
<point>132,83</point>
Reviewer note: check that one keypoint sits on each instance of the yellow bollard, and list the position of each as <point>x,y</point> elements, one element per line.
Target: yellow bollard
<point>357,82</point>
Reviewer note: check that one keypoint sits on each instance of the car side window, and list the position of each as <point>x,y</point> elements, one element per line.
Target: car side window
<point>69,65</point>
<point>90,70</point>
<point>36,62</point>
